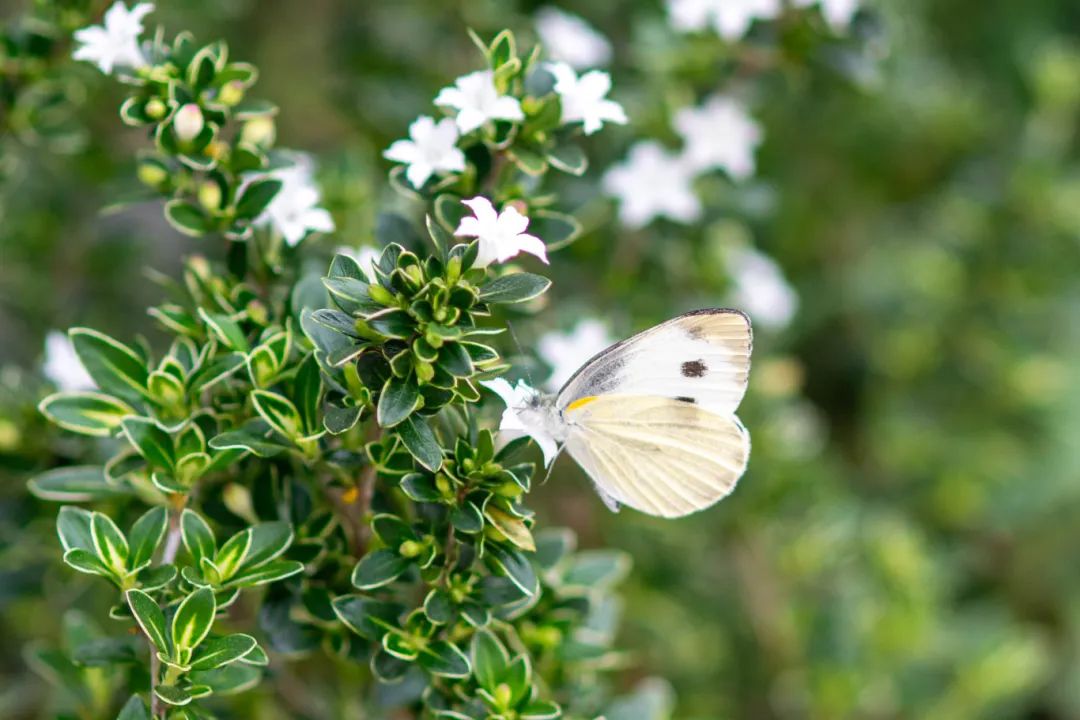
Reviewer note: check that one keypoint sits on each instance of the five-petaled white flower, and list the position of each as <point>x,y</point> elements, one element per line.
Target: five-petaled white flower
<point>566,352</point>
<point>477,101</point>
<point>838,13</point>
<point>525,413</point>
<point>431,148</point>
<point>365,257</point>
<point>583,99</point>
<point>652,182</point>
<point>567,38</point>
<point>295,211</point>
<point>502,235</point>
<point>760,288</point>
<point>729,18</point>
<point>114,43</point>
<point>62,366</point>
<point>720,133</point>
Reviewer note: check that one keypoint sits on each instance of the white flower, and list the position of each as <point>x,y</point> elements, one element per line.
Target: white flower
<point>529,412</point>
<point>431,148</point>
<point>760,288</point>
<point>566,352</point>
<point>62,366</point>
<point>295,211</point>
<point>838,13</point>
<point>719,134</point>
<point>652,182</point>
<point>583,99</point>
<point>188,122</point>
<point>502,235</point>
<point>114,43</point>
<point>730,18</point>
<point>477,101</point>
<point>365,257</point>
<point>567,38</point>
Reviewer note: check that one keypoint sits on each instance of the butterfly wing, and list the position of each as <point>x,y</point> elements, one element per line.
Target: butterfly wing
<point>661,456</point>
<point>702,357</point>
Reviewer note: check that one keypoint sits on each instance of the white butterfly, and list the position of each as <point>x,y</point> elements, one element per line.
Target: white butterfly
<point>651,419</point>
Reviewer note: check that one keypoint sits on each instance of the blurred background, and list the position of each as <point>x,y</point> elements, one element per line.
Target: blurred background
<point>906,542</point>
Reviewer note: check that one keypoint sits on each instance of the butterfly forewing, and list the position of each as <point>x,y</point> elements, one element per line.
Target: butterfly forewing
<point>701,358</point>
<point>662,456</point>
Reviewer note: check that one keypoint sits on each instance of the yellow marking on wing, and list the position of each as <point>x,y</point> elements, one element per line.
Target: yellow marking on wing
<point>581,402</point>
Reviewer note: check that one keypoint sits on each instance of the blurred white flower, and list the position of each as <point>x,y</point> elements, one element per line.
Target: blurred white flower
<point>729,18</point>
<point>524,414</point>
<point>719,134</point>
<point>838,13</point>
<point>502,235</point>
<point>760,288</point>
<point>567,38</point>
<point>477,101</point>
<point>114,43</point>
<point>365,257</point>
<point>62,366</point>
<point>431,148</point>
<point>565,352</point>
<point>652,182</point>
<point>295,211</point>
<point>583,99</point>
<point>188,122</point>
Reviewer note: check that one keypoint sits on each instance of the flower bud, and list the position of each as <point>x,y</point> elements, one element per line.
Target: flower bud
<point>155,108</point>
<point>231,93</point>
<point>152,174</point>
<point>188,122</point>
<point>210,195</point>
<point>410,549</point>
<point>503,695</point>
<point>258,131</point>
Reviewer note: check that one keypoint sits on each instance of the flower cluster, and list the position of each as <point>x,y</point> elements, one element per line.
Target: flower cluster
<point>213,145</point>
<point>731,19</point>
<point>655,182</point>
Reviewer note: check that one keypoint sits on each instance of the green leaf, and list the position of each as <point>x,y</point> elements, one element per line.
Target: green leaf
<point>392,530</point>
<point>445,660</point>
<point>109,543</point>
<point>528,160</point>
<point>557,230</point>
<point>88,413</point>
<point>77,483</point>
<point>519,677</point>
<point>280,413</point>
<point>145,536</point>
<point>193,619</point>
<point>307,391</point>
<point>221,651</point>
<point>366,617</point>
<point>420,487</point>
<point>515,288</point>
<point>257,196</point>
<point>227,680</point>
<point>180,696</point>
<point>187,218</point>
<point>513,565</point>
<point>268,541</point>
<point>570,159</point>
<point>541,710</point>
<point>266,573</point>
<point>197,535</point>
<point>596,569</point>
<point>512,527</point>
<point>85,561</point>
<point>105,651</point>
<point>150,618</point>
<point>116,368</point>
<point>154,578</point>
<point>399,398</point>
<point>134,709</point>
<point>489,659</point>
<point>378,568</point>
<point>421,443</point>
<point>225,329</point>
<point>153,443</point>
<point>438,607</point>
<point>73,527</point>
<point>229,558</point>
<point>252,436</point>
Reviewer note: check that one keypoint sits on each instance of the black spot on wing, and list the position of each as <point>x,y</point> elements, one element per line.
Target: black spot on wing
<point>683,398</point>
<point>694,369</point>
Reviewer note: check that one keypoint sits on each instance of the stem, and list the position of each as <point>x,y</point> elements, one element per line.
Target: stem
<point>168,556</point>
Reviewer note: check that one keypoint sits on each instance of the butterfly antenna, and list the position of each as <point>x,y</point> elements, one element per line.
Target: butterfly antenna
<point>521,352</point>
<point>551,467</point>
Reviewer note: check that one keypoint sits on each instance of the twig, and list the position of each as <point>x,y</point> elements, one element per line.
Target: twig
<point>168,556</point>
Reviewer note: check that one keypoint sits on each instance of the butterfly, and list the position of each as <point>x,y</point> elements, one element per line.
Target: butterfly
<point>651,420</point>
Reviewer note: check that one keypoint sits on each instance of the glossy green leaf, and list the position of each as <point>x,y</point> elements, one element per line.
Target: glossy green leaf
<point>378,568</point>
<point>116,369</point>
<point>150,618</point>
<point>399,398</point>
<point>193,619</point>
<point>145,536</point>
<point>221,651</point>
<point>109,543</point>
<point>88,413</point>
<point>77,483</point>
<point>514,288</point>
<point>420,441</point>
<point>197,536</point>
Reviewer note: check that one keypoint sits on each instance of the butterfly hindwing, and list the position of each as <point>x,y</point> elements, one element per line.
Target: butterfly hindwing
<point>658,455</point>
<point>702,358</point>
